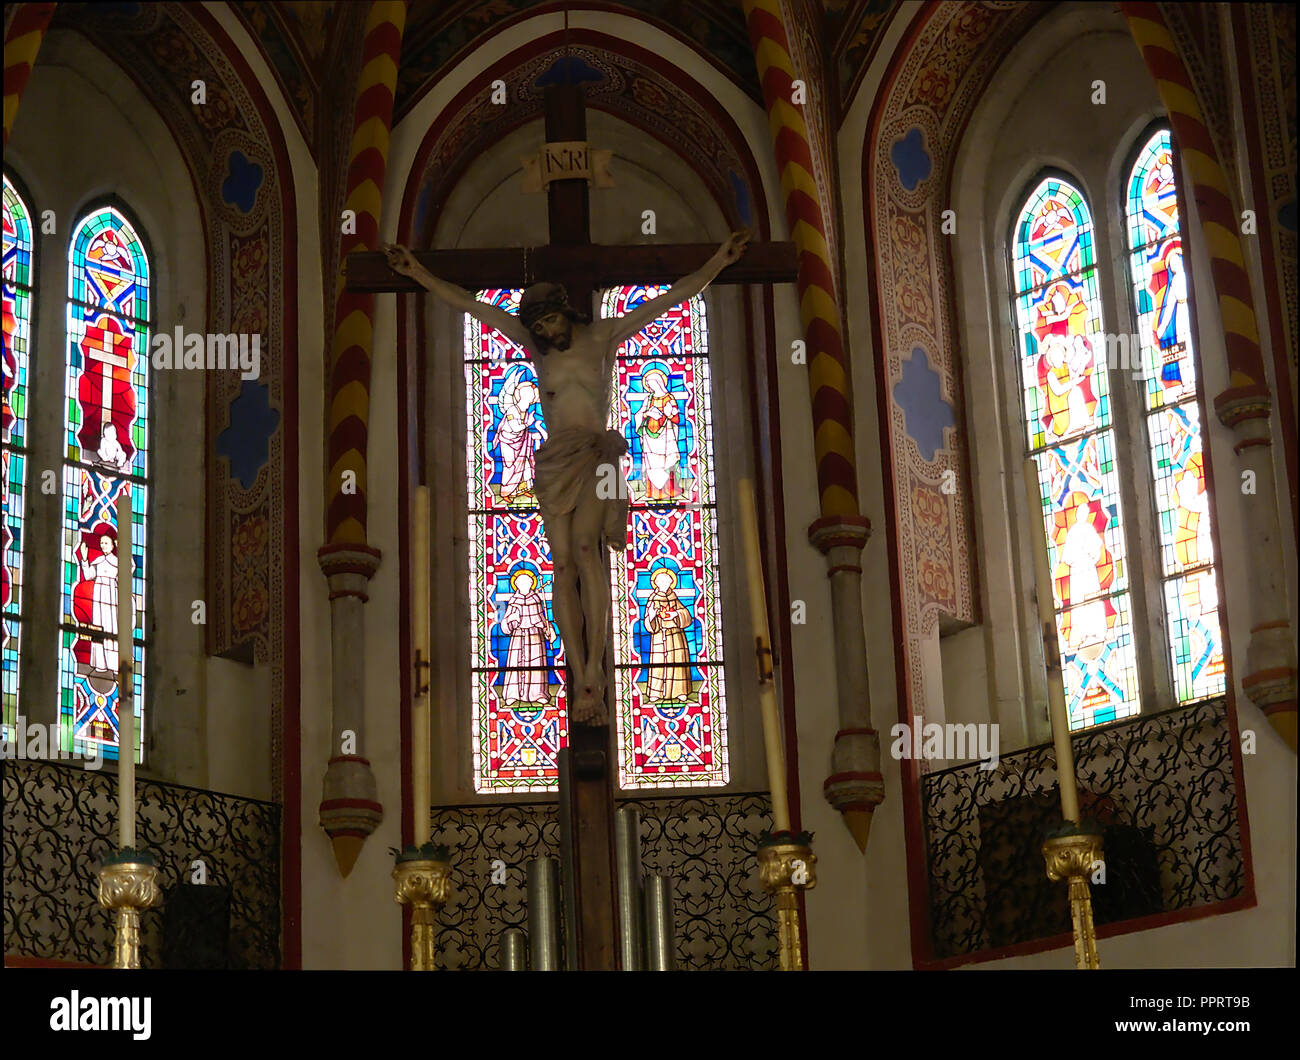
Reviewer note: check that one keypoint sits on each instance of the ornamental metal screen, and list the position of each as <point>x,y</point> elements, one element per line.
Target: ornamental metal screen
<point>724,920</point>
<point>60,820</point>
<point>1164,789</point>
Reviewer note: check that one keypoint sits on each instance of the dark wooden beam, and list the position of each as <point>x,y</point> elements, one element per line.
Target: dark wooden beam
<point>591,806</point>
<point>368,271</point>
<point>567,200</point>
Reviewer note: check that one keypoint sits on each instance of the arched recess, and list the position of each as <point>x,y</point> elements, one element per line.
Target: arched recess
<point>234,148</point>
<point>640,99</point>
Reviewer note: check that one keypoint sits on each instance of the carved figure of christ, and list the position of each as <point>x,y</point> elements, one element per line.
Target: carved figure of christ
<point>574,360</point>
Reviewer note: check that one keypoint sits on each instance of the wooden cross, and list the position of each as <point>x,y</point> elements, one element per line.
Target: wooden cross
<point>582,267</point>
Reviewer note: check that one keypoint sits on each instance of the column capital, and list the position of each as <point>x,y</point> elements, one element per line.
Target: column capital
<point>840,531</point>
<point>348,568</point>
<point>1238,404</point>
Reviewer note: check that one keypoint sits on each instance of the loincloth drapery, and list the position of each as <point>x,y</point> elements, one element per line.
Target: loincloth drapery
<point>568,462</point>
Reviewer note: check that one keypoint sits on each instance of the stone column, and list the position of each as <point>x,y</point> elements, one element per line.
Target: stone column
<point>855,786</point>
<point>1270,678</point>
<point>350,809</point>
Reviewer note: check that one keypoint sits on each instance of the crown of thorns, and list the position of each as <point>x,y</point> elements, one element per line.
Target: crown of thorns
<point>543,298</point>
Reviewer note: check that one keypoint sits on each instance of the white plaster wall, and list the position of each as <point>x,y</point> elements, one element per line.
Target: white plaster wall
<point>200,712</point>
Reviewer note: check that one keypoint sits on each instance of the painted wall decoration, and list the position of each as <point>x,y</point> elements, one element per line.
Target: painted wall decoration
<point>438,34</point>
<point>1160,290</point>
<point>670,718</point>
<point>915,127</point>
<point>107,447</point>
<point>19,284</point>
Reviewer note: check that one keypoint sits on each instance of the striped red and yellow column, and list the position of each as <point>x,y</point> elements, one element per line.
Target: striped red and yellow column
<point>832,406</point>
<point>345,510</point>
<point>1210,190</point>
<point>22,42</point>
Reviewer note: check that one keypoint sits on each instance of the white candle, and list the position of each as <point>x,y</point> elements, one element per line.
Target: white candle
<point>1051,647</point>
<point>125,677</point>
<point>766,689</point>
<point>420,645</point>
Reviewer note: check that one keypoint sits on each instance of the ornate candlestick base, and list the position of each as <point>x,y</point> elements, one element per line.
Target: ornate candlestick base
<point>128,882</point>
<point>1071,855</point>
<point>423,879</point>
<point>786,865</point>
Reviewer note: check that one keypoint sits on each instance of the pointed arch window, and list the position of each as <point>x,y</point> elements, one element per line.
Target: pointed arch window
<point>1160,298</point>
<point>1070,435</point>
<point>106,417</point>
<point>19,288</point>
<point>670,715</point>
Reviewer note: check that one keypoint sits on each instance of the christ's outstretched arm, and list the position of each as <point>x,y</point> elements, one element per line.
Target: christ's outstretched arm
<point>400,259</point>
<point>624,327</point>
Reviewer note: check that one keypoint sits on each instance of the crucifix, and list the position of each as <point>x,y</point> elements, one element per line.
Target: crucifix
<point>574,356</point>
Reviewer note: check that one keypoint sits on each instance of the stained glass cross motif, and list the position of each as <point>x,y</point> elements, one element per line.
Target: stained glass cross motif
<point>1160,293</point>
<point>670,702</point>
<point>106,440</point>
<point>19,282</point>
<point>1069,434</point>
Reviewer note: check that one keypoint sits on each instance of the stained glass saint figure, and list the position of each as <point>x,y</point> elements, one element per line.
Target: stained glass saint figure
<point>669,672</point>
<point>95,600</point>
<point>530,632</point>
<point>518,435</point>
<point>658,423</point>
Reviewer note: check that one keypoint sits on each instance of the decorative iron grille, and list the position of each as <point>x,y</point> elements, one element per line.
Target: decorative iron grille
<point>60,820</point>
<point>1163,788</point>
<point>724,919</point>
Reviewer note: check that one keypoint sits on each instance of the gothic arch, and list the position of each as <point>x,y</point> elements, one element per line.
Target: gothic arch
<point>639,89</point>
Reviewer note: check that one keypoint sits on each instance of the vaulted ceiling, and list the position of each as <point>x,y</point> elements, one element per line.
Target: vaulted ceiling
<point>307,42</point>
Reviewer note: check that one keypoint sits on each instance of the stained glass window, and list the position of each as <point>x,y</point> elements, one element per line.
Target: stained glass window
<point>667,631</point>
<point>106,438</point>
<point>1159,285</point>
<point>1070,435</point>
<point>18,282</point>
<point>671,711</point>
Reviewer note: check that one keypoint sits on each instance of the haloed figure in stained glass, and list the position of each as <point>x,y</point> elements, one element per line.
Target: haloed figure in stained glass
<point>96,597</point>
<point>1085,570</point>
<point>658,422</point>
<point>529,629</point>
<point>669,672</point>
<point>1065,367</point>
<point>518,435</point>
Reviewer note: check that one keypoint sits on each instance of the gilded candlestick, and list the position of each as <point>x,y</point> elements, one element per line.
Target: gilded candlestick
<point>1071,855</point>
<point>423,881</point>
<point>128,883</point>
<point>787,865</point>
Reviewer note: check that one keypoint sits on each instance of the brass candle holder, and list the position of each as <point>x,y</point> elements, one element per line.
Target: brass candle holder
<point>1071,852</point>
<point>128,883</point>
<point>787,865</point>
<point>423,881</point>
